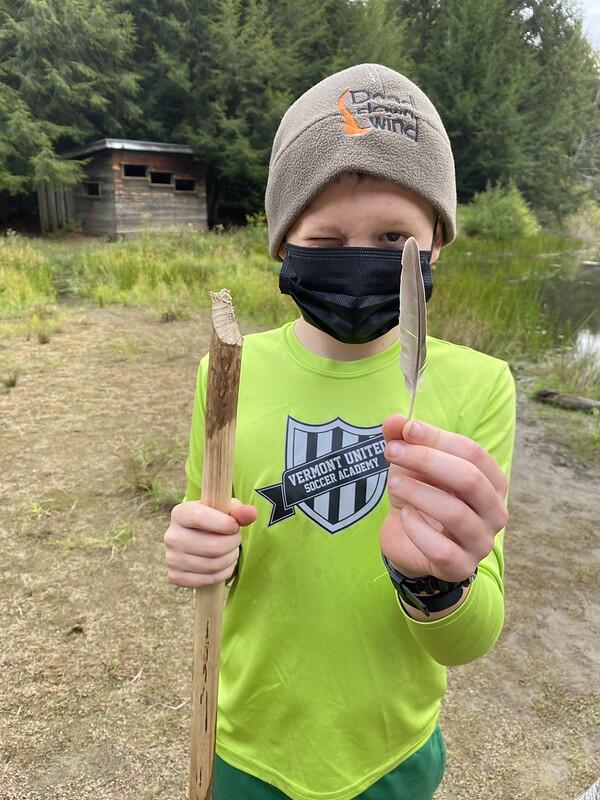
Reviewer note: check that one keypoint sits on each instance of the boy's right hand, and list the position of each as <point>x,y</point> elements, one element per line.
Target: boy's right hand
<point>202,545</point>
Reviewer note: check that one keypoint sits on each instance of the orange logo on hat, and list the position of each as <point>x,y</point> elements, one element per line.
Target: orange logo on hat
<point>351,127</point>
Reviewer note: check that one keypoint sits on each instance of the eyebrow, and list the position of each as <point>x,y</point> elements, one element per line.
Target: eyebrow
<point>331,232</point>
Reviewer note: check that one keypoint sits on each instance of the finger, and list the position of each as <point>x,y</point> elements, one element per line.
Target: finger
<point>461,524</point>
<point>393,426</point>
<point>449,561</point>
<point>397,501</point>
<point>201,543</point>
<point>244,514</point>
<point>408,559</point>
<point>399,427</point>
<point>453,473</point>
<point>395,469</point>
<point>195,514</point>
<point>195,581</point>
<point>184,562</point>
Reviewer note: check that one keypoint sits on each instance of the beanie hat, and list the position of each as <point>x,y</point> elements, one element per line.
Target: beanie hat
<point>367,118</point>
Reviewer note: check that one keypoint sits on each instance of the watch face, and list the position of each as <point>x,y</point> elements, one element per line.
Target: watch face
<point>431,585</point>
<point>427,583</point>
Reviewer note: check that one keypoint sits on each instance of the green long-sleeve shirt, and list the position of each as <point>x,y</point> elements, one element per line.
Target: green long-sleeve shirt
<point>326,683</point>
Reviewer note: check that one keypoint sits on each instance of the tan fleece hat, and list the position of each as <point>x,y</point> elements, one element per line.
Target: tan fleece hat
<point>367,118</point>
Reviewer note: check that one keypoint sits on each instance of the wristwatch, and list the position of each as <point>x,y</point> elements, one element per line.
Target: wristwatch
<point>441,594</point>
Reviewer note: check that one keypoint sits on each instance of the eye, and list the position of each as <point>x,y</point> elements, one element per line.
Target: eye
<point>393,236</point>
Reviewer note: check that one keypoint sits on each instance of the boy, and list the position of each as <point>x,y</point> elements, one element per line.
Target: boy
<point>332,674</point>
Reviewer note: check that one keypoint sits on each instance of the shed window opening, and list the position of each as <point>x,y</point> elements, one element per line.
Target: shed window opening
<point>161,178</point>
<point>135,170</point>
<point>184,185</point>
<point>91,188</point>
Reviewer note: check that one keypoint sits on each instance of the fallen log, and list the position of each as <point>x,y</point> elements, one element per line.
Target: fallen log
<point>569,401</point>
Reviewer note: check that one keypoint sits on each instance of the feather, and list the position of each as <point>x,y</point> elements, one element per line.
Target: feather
<point>413,320</point>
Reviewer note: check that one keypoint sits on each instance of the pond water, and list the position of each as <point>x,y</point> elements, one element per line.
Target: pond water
<point>571,289</point>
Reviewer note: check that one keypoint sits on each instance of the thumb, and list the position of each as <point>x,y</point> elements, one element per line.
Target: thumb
<point>392,427</point>
<point>244,514</point>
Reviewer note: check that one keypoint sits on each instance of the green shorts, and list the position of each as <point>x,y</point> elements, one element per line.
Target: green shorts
<point>417,778</point>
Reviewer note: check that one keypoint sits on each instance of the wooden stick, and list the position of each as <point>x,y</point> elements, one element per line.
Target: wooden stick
<point>219,434</point>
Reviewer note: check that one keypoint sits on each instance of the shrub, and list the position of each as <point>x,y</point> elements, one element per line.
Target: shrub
<point>498,213</point>
<point>585,222</point>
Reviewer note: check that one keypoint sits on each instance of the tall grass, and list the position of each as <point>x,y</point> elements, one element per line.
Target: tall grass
<point>487,294</point>
<point>570,371</point>
<point>174,271</point>
<point>26,279</point>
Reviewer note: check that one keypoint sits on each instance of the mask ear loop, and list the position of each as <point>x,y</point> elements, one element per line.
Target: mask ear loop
<point>435,224</point>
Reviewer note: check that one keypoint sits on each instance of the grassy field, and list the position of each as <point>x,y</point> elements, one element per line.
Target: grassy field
<point>95,648</point>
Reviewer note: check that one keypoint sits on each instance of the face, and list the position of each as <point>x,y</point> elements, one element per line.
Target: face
<point>365,213</point>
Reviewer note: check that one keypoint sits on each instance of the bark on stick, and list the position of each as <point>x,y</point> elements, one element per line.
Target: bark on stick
<point>569,401</point>
<point>225,358</point>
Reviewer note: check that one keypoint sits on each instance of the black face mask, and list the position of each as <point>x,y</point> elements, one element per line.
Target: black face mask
<point>351,293</point>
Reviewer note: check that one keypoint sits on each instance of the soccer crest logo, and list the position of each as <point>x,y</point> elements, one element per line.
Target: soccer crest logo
<point>335,473</point>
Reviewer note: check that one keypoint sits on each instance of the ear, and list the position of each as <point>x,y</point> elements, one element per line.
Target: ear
<point>438,241</point>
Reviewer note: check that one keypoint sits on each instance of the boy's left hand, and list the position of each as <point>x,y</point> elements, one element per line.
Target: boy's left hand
<point>453,493</point>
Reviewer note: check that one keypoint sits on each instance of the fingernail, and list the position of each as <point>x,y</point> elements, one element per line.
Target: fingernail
<point>416,431</point>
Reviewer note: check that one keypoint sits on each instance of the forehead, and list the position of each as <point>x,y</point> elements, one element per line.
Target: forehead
<point>365,200</point>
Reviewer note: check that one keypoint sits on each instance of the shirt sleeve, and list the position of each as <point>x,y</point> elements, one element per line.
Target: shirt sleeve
<point>473,628</point>
<point>195,457</point>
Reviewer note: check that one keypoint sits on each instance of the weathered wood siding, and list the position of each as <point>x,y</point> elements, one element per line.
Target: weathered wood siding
<point>140,204</point>
<point>56,207</point>
<point>97,214</point>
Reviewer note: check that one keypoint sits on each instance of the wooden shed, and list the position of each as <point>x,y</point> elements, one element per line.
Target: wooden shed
<point>129,186</point>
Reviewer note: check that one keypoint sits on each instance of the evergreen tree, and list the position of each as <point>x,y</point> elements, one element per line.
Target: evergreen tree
<point>515,82</point>
<point>516,85</point>
<point>561,102</point>
<point>168,36</point>
<point>63,79</point>
<point>375,32</point>
<point>235,104</point>
<point>308,34</point>
<point>474,65</point>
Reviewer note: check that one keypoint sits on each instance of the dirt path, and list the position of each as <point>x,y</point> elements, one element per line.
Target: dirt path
<point>95,646</point>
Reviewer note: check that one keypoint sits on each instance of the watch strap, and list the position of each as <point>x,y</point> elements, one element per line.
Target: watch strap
<point>442,594</point>
<point>437,602</point>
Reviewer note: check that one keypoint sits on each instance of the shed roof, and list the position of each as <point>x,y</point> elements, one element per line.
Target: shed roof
<point>128,144</point>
